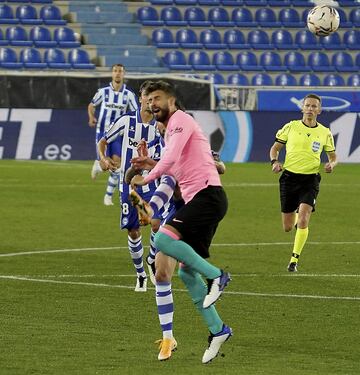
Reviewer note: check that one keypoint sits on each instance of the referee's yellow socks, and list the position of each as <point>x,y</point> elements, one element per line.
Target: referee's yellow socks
<point>300,240</point>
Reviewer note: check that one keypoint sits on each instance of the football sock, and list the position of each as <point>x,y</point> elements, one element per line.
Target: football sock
<point>184,253</point>
<point>296,219</point>
<point>163,193</point>
<point>136,251</point>
<point>152,252</point>
<point>198,290</point>
<point>113,182</point>
<point>300,240</point>
<point>165,306</point>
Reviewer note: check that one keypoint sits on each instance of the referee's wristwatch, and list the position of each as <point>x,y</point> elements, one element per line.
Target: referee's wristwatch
<point>273,161</point>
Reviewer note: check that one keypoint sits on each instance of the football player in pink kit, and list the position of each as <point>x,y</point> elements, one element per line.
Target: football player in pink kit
<point>188,235</point>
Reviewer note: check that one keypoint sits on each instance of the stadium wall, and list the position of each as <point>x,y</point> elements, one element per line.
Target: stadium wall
<point>240,136</point>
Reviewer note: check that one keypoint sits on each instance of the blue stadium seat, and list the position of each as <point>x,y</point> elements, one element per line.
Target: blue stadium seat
<point>200,61</point>
<point>333,80</point>
<point>343,62</point>
<point>219,17</point>
<point>343,19</point>
<point>185,2</point>
<point>285,79</point>
<point>259,39</point>
<point>17,36</point>
<point>307,40</point>
<point>41,1</point>
<point>332,41</point>
<point>247,60</point>
<point>31,58</point>
<point>266,17</point>
<point>3,42</point>
<point>319,62</point>
<point>237,79</point>
<point>354,17</point>
<point>172,17</point>
<point>278,3</point>
<point>351,39</point>
<point>163,38</point>
<point>195,16</point>
<point>232,2</point>
<point>289,17</point>
<point>243,17</point>
<point>27,15</point>
<point>51,15</point>
<point>216,78</point>
<point>354,80</point>
<point>8,59</point>
<point>309,79</point>
<point>271,61</point>
<point>282,39</point>
<point>79,59</point>
<point>148,16</point>
<point>187,38</point>
<point>7,15</point>
<point>161,2</point>
<point>176,60</point>
<point>209,2</point>
<point>261,79</point>
<point>65,38</point>
<point>295,62</point>
<point>41,37</point>
<point>55,59</point>
<point>211,39</point>
<point>302,3</point>
<point>357,60</point>
<point>257,3</point>
<point>234,39</point>
<point>224,60</point>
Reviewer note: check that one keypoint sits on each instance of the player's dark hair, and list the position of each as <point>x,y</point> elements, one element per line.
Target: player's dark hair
<point>168,89</point>
<point>162,86</point>
<point>313,96</point>
<point>119,65</point>
<point>144,86</point>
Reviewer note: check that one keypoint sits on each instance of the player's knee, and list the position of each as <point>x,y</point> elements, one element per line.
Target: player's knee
<point>288,227</point>
<point>162,275</point>
<point>155,225</point>
<point>134,234</point>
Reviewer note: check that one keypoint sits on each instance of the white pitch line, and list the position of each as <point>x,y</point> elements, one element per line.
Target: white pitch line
<point>251,294</point>
<point>213,245</point>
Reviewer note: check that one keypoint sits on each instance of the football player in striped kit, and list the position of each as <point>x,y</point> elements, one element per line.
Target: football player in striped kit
<point>114,100</point>
<point>128,131</point>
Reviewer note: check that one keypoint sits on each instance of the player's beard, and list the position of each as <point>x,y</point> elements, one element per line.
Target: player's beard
<point>163,115</point>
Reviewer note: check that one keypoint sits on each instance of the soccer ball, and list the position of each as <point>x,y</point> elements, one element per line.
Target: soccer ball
<point>323,20</point>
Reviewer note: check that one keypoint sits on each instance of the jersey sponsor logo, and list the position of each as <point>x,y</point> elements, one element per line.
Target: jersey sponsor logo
<point>113,106</point>
<point>125,221</point>
<point>133,143</point>
<point>178,129</point>
<point>315,146</point>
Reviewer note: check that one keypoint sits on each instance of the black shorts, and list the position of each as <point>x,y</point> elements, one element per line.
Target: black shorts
<point>198,219</point>
<point>298,188</point>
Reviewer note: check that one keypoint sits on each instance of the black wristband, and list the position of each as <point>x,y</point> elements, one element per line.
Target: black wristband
<point>273,161</point>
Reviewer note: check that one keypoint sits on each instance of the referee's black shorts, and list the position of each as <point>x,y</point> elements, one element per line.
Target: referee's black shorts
<point>198,219</point>
<point>298,188</point>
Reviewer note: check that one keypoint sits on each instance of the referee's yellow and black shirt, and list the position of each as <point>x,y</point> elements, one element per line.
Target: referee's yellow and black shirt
<point>304,146</point>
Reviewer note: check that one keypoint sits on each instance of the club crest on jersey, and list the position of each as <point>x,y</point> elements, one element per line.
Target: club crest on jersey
<point>125,221</point>
<point>315,146</point>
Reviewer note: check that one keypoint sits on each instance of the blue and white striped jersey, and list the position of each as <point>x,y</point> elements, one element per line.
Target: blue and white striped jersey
<point>113,105</point>
<point>129,129</point>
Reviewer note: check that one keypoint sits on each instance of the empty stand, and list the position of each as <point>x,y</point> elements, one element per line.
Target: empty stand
<point>223,60</point>
<point>271,61</point>
<point>200,60</point>
<point>319,62</point>
<point>65,38</point>
<point>285,79</point>
<point>176,60</point>
<point>211,38</point>
<point>234,39</point>
<point>343,62</point>
<point>261,79</point>
<point>247,61</point>
<point>51,15</point>
<point>163,38</point>
<point>238,79</point>
<point>309,79</point>
<point>8,59</point>
<point>41,37</point>
<point>55,59</point>
<point>282,39</point>
<point>333,80</point>
<point>195,16</point>
<point>17,36</point>
<point>27,15</point>
<point>187,38</point>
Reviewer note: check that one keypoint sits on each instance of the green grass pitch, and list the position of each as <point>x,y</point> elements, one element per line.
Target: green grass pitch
<point>74,311</point>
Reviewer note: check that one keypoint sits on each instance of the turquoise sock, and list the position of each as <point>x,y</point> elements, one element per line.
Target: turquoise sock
<point>184,253</point>
<point>198,290</point>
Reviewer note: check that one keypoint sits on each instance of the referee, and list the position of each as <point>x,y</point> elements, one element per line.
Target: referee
<point>304,141</point>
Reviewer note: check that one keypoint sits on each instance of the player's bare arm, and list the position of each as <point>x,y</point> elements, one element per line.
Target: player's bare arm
<point>276,166</point>
<point>91,113</point>
<point>330,165</point>
<point>106,163</point>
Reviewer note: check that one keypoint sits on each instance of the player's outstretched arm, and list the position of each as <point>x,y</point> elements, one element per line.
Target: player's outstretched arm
<point>91,113</point>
